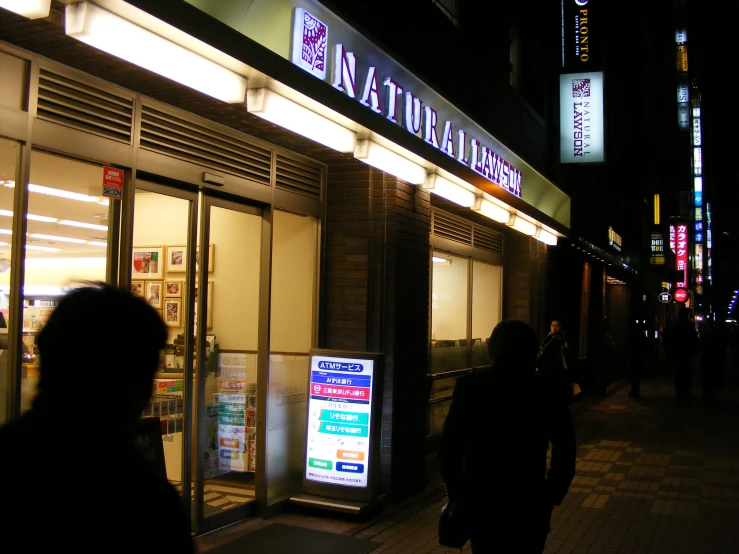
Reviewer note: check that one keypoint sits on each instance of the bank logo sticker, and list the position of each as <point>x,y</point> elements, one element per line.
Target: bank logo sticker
<point>581,88</point>
<point>310,42</point>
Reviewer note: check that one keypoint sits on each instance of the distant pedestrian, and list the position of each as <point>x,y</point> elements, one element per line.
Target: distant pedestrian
<point>681,342</point>
<point>494,447</point>
<point>71,474</point>
<point>638,351</point>
<point>555,362</point>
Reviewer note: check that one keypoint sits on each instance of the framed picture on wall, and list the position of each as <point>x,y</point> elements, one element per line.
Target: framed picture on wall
<point>211,257</point>
<point>173,312</point>
<point>173,288</point>
<point>154,294</point>
<point>137,288</point>
<point>147,262</point>
<point>177,258</point>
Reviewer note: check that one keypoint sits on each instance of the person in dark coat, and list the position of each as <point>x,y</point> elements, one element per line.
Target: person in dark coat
<point>555,362</point>
<point>638,351</point>
<point>494,447</point>
<point>681,342</point>
<point>71,474</point>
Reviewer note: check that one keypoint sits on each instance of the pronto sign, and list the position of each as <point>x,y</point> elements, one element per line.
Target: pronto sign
<point>389,96</point>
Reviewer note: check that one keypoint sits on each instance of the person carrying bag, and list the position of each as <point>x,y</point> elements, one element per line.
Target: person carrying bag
<point>493,453</point>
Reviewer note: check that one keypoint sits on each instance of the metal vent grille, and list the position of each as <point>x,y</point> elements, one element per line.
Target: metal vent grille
<point>84,107</point>
<point>170,135</point>
<point>298,177</point>
<point>452,228</point>
<point>486,239</point>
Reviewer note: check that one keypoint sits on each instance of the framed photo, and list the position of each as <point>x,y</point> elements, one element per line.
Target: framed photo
<point>147,262</point>
<point>137,288</point>
<point>154,294</point>
<point>173,312</point>
<point>211,257</point>
<point>173,288</point>
<point>177,258</point>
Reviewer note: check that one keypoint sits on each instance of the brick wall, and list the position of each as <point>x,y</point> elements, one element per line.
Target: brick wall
<point>375,294</point>
<point>525,276</point>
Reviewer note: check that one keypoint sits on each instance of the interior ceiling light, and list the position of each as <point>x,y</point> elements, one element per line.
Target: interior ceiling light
<point>522,225</point>
<point>60,193</point>
<point>42,248</point>
<point>286,113</point>
<point>388,161</point>
<point>491,210</point>
<point>32,9</point>
<point>97,243</point>
<point>56,238</point>
<point>441,261</point>
<point>68,222</point>
<point>441,186</point>
<point>115,35</point>
<point>546,237</point>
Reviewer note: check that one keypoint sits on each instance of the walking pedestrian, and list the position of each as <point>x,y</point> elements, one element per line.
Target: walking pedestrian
<point>71,473</point>
<point>681,341</point>
<point>555,362</point>
<point>638,350</point>
<point>494,447</point>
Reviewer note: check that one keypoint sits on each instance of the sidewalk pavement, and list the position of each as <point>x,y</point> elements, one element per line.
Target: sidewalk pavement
<point>653,476</point>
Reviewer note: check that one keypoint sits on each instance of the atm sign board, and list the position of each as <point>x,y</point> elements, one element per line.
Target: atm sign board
<point>339,419</point>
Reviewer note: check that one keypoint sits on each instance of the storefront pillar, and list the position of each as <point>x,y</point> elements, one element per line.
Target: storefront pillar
<point>375,298</point>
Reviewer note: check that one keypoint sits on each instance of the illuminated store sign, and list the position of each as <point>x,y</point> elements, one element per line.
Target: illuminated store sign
<point>387,96</point>
<point>672,238</point>
<point>681,36</point>
<point>697,160</point>
<point>683,115</point>
<point>696,131</point>
<point>579,24</point>
<point>658,249</point>
<point>682,58</point>
<point>681,252</point>
<point>682,92</point>
<point>614,239</point>
<point>339,420</point>
<point>581,118</point>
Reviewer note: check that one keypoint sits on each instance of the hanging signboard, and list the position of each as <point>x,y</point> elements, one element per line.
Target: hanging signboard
<point>345,390</point>
<point>581,125</point>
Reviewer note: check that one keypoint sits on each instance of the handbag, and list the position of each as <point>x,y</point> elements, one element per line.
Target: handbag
<point>452,529</point>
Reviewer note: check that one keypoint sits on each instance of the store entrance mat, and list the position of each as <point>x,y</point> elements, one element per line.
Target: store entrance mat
<point>278,538</point>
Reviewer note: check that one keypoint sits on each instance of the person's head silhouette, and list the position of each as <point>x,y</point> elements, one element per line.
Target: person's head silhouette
<point>513,344</point>
<point>98,352</point>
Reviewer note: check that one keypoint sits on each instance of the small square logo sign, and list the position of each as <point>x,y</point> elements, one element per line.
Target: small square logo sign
<point>310,43</point>
<point>112,182</point>
<point>580,88</point>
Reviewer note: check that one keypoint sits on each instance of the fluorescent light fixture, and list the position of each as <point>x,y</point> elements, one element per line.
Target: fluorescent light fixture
<point>286,113</point>
<point>32,9</point>
<point>453,192</point>
<point>59,193</point>
<point>522,225</point>
<point>82,225</point>
<point>547,238</point>
<point>441,261</point>
<point>97,243</point>
<point>42,248</point>
<point>491,210</point>
<point>56,238</point>
<point>388,161</point>
<point>110,33</point>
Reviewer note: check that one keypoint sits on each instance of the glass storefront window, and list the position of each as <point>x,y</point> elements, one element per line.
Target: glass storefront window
<point>66,244</point>
<point>8,156</point>
<point>487,308</point>
<point>449,312</point>
<point>294,263</point>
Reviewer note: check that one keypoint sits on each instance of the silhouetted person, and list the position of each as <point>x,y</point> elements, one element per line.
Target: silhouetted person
<point>638,351</point>
<point>555,363</point>
<point>681,341</point>
<point>494,447</point>
<point>71,475</point>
